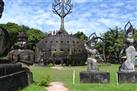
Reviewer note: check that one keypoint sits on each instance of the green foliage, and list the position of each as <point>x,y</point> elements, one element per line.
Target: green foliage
<point>113,44</point>
<point>81,36</point>
<point>65,76</point>
<point>45,81</point>
<point>34,35</point>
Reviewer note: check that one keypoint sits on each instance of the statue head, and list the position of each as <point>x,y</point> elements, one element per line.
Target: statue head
<point>92,40</point>
<point>129,31</point>
<point>22,39</point>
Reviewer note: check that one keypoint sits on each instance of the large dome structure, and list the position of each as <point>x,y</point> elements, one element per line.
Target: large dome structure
<point>68,47</point>
<point>61,47</point>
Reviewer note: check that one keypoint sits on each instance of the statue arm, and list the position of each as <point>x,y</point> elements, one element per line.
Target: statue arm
<point>86,47</point>
<point>99,56</point>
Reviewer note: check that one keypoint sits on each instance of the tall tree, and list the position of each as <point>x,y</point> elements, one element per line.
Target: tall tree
<point>35,35</point>
<point>81,36</point>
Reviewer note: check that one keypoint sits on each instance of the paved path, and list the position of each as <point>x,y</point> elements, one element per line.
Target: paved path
<point>56,86</point>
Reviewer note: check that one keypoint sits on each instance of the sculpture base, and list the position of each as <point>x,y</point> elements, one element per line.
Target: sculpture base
<point>127,77</point>
<point>94,77</point>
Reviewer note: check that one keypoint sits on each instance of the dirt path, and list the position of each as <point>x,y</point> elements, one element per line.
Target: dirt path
<point>56,86</point>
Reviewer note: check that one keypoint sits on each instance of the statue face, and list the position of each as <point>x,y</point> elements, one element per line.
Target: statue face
<point>92,44</point>
<point>130,35</point>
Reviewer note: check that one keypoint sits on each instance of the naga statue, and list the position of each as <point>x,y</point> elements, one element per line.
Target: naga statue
<point>130,51</point>
<point>93,53</point>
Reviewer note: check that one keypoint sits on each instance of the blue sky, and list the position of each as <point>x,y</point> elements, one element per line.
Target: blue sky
<point>87,15</point>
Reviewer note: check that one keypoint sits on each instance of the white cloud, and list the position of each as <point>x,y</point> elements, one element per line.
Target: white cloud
<point>86,17</point>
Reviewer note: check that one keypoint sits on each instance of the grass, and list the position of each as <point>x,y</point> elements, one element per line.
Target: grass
<point>65,76</point>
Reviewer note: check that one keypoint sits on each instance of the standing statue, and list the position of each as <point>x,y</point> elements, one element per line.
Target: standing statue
<point>92,53</point>
<point>131,53</point>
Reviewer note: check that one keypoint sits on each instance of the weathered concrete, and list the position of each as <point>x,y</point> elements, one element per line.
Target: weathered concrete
<point>94,77</point>
<point>127,77</point>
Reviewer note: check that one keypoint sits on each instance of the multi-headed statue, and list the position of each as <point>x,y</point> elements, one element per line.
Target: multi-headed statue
<point>92,53</point>
<point>130,51</point>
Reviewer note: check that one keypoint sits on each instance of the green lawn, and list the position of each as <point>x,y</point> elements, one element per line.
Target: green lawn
<point>65,76</point>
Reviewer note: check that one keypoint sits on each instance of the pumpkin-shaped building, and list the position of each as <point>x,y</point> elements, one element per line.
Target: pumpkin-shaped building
<point>61,47</point>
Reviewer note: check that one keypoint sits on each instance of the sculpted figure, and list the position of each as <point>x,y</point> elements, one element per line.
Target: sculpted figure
<point>130,51</point>
<point>92,53</point>
<point>22,55</point>
<point>4,36</point>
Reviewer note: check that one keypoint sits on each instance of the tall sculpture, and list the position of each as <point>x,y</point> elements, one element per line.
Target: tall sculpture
<point>1,7</point>
<point>4,36</point>
<point>62,8</point>
<point>127,72</point>
<point>93,75</point>
<point>92,53</point>
<point>130,51</point>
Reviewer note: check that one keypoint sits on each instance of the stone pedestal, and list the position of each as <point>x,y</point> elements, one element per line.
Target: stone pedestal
<point>94,77</point>
<point>127,77</point>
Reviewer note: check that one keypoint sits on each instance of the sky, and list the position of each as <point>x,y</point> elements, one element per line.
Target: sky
<point>87,16</point>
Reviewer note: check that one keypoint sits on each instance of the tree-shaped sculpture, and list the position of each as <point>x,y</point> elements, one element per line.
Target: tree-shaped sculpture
<point>62,8</point>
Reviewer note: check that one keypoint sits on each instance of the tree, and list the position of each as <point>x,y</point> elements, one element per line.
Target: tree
<point>81,36</point>
<point>35,35</point>
<point>113,44</point>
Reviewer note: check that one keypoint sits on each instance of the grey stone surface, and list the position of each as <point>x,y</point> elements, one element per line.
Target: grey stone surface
<point>93,53</point>
<point>127,77</point>
<point>1,7</point>
<point>130,51</point>
<point>13,82</point>
<point>6,69</point>
<point>4,42</point>
<point>94,77</point>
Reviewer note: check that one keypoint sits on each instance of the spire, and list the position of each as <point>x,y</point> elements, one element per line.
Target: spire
<point>62,8</point>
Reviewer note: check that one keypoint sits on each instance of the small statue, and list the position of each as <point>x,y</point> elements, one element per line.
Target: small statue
<point>128,65</point>
<point>92,53</point>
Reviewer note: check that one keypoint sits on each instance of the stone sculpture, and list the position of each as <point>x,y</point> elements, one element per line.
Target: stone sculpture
<point>128,65</point>
<point>4,36</point>
<point>127,72</point>
<point>22,55</point>
<point>92,53</point>
<point>93,75</point>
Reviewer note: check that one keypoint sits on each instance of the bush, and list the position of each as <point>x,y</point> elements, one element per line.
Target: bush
<point>45,81</point>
